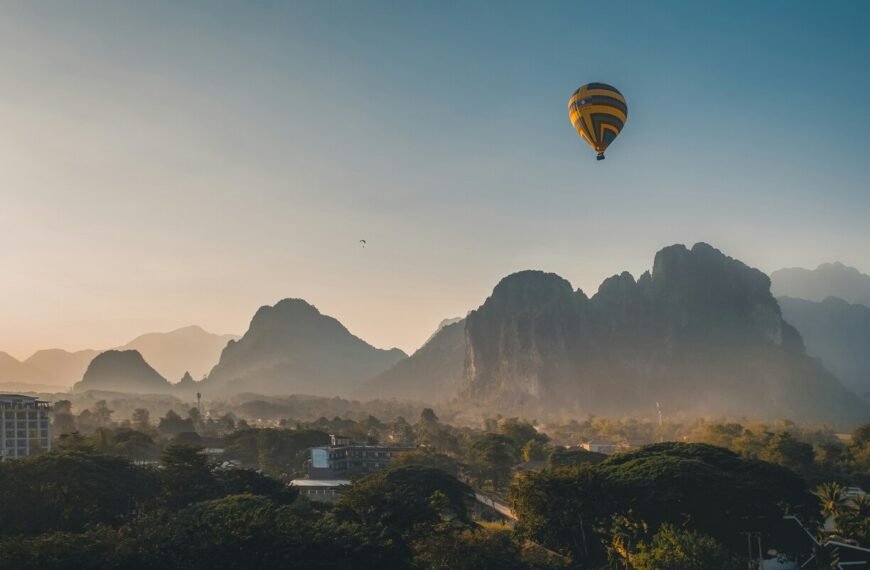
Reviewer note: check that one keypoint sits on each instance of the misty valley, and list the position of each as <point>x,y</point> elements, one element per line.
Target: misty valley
<point>663,418</point>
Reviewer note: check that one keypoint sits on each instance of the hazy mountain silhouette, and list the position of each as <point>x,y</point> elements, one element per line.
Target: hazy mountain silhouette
<point>187,386</point>
<point>441,325</point>
<point>61,367</point>
<point>14,371</point>
<point>186,380</point>
<point>189,349</point>
<point>837,332</point>
<point>292,348</point>
<point>172,354</point>
<point>701,334</point>
<point>827,280</point>
<point>434,373</point>
<point>122,371</point>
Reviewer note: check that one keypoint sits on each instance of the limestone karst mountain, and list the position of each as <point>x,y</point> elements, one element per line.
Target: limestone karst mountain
<point>292,348</point>
<point>701,334</point>
<point>122,371</point>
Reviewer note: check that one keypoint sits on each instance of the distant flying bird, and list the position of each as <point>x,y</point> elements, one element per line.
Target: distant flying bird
<point>598,112</point>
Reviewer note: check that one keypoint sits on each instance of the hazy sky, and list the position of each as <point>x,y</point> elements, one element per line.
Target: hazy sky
<point>170,163</point>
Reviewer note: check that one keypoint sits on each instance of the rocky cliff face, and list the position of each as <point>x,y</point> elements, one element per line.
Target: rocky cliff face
<point>523,337</point>
<point>122,371</point>
<point>292,348</point>
<point>701,294</point>
<point>701,333</point>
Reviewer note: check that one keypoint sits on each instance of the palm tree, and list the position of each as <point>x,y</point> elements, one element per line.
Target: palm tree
<point>859,518</point>
<point>860,506</point>
<point>833,498</point>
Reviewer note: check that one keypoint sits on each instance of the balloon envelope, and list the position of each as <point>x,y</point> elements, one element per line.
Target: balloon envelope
<point>598,112</point>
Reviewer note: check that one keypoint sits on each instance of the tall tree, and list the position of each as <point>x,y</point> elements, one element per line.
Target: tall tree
<point>63,420</point>
<point>186,475</point>
<point>102,414</point>
<point>675,549</point>
<point>492,457</point>
<point>141,419</point>
<point>404,502</point>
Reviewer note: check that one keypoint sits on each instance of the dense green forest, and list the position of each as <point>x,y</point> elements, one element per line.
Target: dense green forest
<point>142,493</point>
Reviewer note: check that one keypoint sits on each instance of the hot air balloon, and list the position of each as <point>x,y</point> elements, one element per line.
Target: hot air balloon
<point>598,112</point>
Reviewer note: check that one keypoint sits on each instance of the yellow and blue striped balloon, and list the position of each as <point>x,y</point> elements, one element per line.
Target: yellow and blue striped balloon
<point>598,112</point>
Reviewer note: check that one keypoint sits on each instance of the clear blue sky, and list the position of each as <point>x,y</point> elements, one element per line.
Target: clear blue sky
<point>166,163</point>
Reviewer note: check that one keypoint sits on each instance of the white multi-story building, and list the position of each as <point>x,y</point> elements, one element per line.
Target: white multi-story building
<point>24,426</point>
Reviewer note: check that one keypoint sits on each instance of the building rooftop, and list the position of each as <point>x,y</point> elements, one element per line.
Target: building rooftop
<point>319,482</point>
<point>19,401</point>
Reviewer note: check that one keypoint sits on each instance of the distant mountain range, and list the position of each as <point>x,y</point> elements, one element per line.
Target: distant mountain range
<point>12,370</point>
<point>826,280</point>
<point>59,366</point>
<point>291,348</point>
<point>830,306</point>
<point>52,367</point>
<point>700,334</point>
<point>838,332</point>
<point>189,349</point>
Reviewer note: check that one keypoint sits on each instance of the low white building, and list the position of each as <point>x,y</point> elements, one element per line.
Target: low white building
<point>605,447</point>
<point>322,490</point>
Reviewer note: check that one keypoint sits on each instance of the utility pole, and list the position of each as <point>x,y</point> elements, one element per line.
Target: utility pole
<point>751,558</point>
<point>749,544</point>
<point>661,433</point>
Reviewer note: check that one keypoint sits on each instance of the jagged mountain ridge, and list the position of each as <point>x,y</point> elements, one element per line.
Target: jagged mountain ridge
<point>701,333</point>
<point>838,332</point>
<point>292,348</point>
